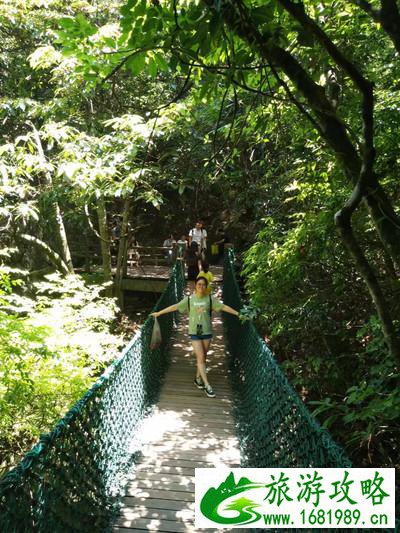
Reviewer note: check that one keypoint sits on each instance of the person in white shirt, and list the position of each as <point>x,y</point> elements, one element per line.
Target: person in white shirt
<point>181,246</point>
<point>169,244</point>
<point>199,235</point>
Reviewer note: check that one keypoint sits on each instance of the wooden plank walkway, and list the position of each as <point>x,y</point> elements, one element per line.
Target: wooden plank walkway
<point>187,430</point>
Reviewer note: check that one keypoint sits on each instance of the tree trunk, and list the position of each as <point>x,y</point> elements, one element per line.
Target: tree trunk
<point>62,236</point>
<point>385,220</point>
<point>344,225</point>
<point>104,238</point>
<point>123,243</point>
<point>59,227</point>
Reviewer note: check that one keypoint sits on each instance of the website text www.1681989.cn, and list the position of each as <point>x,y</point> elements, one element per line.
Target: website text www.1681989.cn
<point>321,517</point>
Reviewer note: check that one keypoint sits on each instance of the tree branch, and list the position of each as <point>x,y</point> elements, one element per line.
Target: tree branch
<point>92,227</point>
<point>53,256</point>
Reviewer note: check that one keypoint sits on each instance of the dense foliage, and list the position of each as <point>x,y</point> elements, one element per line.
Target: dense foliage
<point>265,117</point>
<point>55,333</point>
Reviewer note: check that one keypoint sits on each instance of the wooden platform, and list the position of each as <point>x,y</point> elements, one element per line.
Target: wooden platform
<point>187,430</point>
<point>151,278</point>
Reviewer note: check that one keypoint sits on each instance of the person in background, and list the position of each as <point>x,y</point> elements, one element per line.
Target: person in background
<point>192,261</point>
<point>169,253</point>
<point>181,246</point>
<point>205,273</point>
<point>204,242</point>
<point>223,240</point>
<point>199,234</point>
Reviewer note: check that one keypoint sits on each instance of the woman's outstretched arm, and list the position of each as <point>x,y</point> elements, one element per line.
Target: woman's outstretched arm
<point>164,311</point>
<point>230,310</point>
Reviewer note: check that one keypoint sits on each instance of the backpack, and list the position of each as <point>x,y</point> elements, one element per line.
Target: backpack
<point>210,304</point>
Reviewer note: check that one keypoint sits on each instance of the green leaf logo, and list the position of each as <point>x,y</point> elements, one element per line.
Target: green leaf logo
<point>212,502</point>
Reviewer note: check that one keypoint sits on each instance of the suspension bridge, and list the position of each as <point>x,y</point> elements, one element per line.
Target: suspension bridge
<point>123,458</point>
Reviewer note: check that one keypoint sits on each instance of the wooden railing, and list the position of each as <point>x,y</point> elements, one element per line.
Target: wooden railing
<point>151,255</point>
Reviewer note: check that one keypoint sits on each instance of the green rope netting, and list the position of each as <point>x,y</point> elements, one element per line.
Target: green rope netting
<point>274,427</point>
<point>70,481</point>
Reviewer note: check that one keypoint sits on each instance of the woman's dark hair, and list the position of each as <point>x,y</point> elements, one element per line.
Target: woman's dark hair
<point>194,246</point>
<point>202,278</point>
<point>205,266</point>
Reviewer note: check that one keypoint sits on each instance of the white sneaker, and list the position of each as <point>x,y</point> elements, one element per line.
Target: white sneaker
<point>199,383</point>
<point>209,391</point>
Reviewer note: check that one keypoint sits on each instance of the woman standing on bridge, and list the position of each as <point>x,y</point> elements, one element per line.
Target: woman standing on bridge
<point>200,306</point>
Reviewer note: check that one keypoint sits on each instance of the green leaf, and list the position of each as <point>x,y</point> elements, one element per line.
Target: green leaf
<point>263,14</point>
<point>66,22</point>
<point>214,25</point>
<point>152,66</point>
<point>161,62</point>
<point>85,26</point>
<point>149,24</point>
<point>137,63</point>
<point>140,9</point>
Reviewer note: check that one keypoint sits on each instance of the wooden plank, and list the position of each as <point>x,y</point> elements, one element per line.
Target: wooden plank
<point>194,446</point>
<point>157,525</point>
<point>135,530</point>
<point>212,455</point>
<point>202,402</point>
<point>197,434</point>
<point>183,393</point>
<point>196,396</point>
<point>188,390</point>
<point>189,386</point>
<point>191,401</point>
<point>120,529</point>
<point>202,455</point>
<point>195,409</point>
<point>199,412</point>
<point>159,484</point>
<point>189,377</point>
<point>185,471</point>
<point>153,525</point>
<point>133,514</point>
<point>154,503</point>
<point>199,403</point>
<point>140,525</point>
<point>165,478</point>
<point>187,381</point>
<point>215,422</point>
<point>186,463</point>
<point>162,494</point>
<point>194,416</point>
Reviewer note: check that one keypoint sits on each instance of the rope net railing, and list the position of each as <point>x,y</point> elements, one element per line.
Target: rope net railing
<point>274,427</point>
<point>70,481</point>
